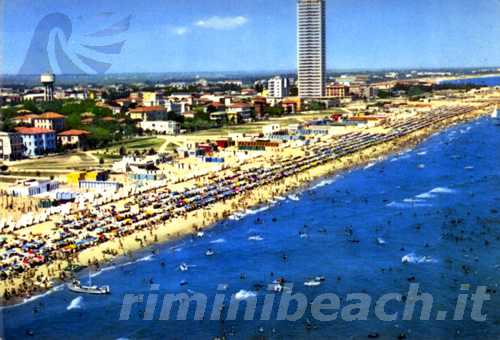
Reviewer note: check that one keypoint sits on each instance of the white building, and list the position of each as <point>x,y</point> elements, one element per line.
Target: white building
<point>168,127</point>
<point>311,48</point>
<point>277,87</point>
<point>11,146</point>
<point>150,98</point>
<point>269,129</point>
<point>36,97</point>
<point>33,187</point>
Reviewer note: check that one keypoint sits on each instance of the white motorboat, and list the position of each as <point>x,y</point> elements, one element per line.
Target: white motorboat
<point>210,252</point>
<point>183,267</point>
<point>314,282</point>
<point>77,287</point>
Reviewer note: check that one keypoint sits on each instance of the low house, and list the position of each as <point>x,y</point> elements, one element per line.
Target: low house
<point>100,185</point>
<point>148,113</point>
<point>74,178</point>
<point>26,119</point>
<point>11,146</point>
<point>270,129</point>
<point>218,116</point>
<point>75,138</point>
<point>147,172</point>
<point>213,107</point>
<point>292,104</point>
<point>150,98</point>
<point>239,112</point>
<point>127,163</point>
<point>33,187</point>
<point>50,121</point>
<point>168,127</point>
<point>113,107</point>
<point>189,114</point>
<point>37,141</point>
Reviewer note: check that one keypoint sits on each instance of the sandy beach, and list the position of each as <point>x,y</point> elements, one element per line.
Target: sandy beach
<point>204,218</point>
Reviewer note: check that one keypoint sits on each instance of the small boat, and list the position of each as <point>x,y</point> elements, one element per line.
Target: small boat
<point>277,288</point>
<point>200,234</point>
<point>77,287</point>
<point>210,252</point>
<point>380,240</point>
<point>183,267</point>
<point>494,115</point>
<point>183,283</point>
<point>312,283</point>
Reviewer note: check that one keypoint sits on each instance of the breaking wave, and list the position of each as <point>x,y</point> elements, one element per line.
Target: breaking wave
<point>244,294</point>
<point>413,258</point>
<point>219,240</point>
<point>322,183</point>
<point>421,200</point>
<point>76,303</point>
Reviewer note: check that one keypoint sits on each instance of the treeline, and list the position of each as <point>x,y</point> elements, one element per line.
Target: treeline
<point>100,122</point>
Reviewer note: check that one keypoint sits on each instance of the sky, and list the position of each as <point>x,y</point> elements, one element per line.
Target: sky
<point>252,35</point>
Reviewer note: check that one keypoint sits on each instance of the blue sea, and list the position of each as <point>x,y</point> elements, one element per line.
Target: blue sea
<point>435,205</point>
<point>482,81</point>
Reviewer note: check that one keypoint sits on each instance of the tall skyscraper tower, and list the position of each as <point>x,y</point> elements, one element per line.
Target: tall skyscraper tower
<point>311,48</point>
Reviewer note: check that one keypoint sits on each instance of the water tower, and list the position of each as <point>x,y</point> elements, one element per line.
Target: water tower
<point>48,80</point>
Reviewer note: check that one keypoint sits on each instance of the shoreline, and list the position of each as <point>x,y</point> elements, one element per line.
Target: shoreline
<point>208,217</point>
<point>466,77</point>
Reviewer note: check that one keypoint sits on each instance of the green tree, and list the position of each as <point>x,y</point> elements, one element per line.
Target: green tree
<point>31,105</point>
<point>383,94</point>
<point>316,106</point>
<point>73,121</point>
<point>6,119</point>
<point>274,111</point>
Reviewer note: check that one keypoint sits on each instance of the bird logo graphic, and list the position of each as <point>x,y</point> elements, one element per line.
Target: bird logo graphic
<point>52,48</point>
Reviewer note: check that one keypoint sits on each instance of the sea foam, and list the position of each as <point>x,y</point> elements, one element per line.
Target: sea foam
<point>219,240</point>
<point>244,294</point>
<point>76,303</point>
<point>413,258</point>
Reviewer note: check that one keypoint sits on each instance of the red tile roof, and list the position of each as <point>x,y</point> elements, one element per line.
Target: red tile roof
<point>147,109</point>
<point>50,115</point>
<point>74,133</point>
<point>240,106</point>
<point>216,104</point>
<point>32,130</point>
<point>26,117</point>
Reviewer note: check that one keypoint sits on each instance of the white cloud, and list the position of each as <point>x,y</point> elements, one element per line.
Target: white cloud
<point>180,30</point>
<point>222,23</point>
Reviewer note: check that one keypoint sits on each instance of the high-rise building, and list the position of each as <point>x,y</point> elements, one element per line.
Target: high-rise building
<point>311,47</point>
<point>277,87</point>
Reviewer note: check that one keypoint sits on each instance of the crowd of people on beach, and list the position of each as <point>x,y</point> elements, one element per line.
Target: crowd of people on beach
<point>149,208</point>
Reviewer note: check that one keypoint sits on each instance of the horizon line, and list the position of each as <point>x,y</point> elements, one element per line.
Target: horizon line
<point>282,71</point>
